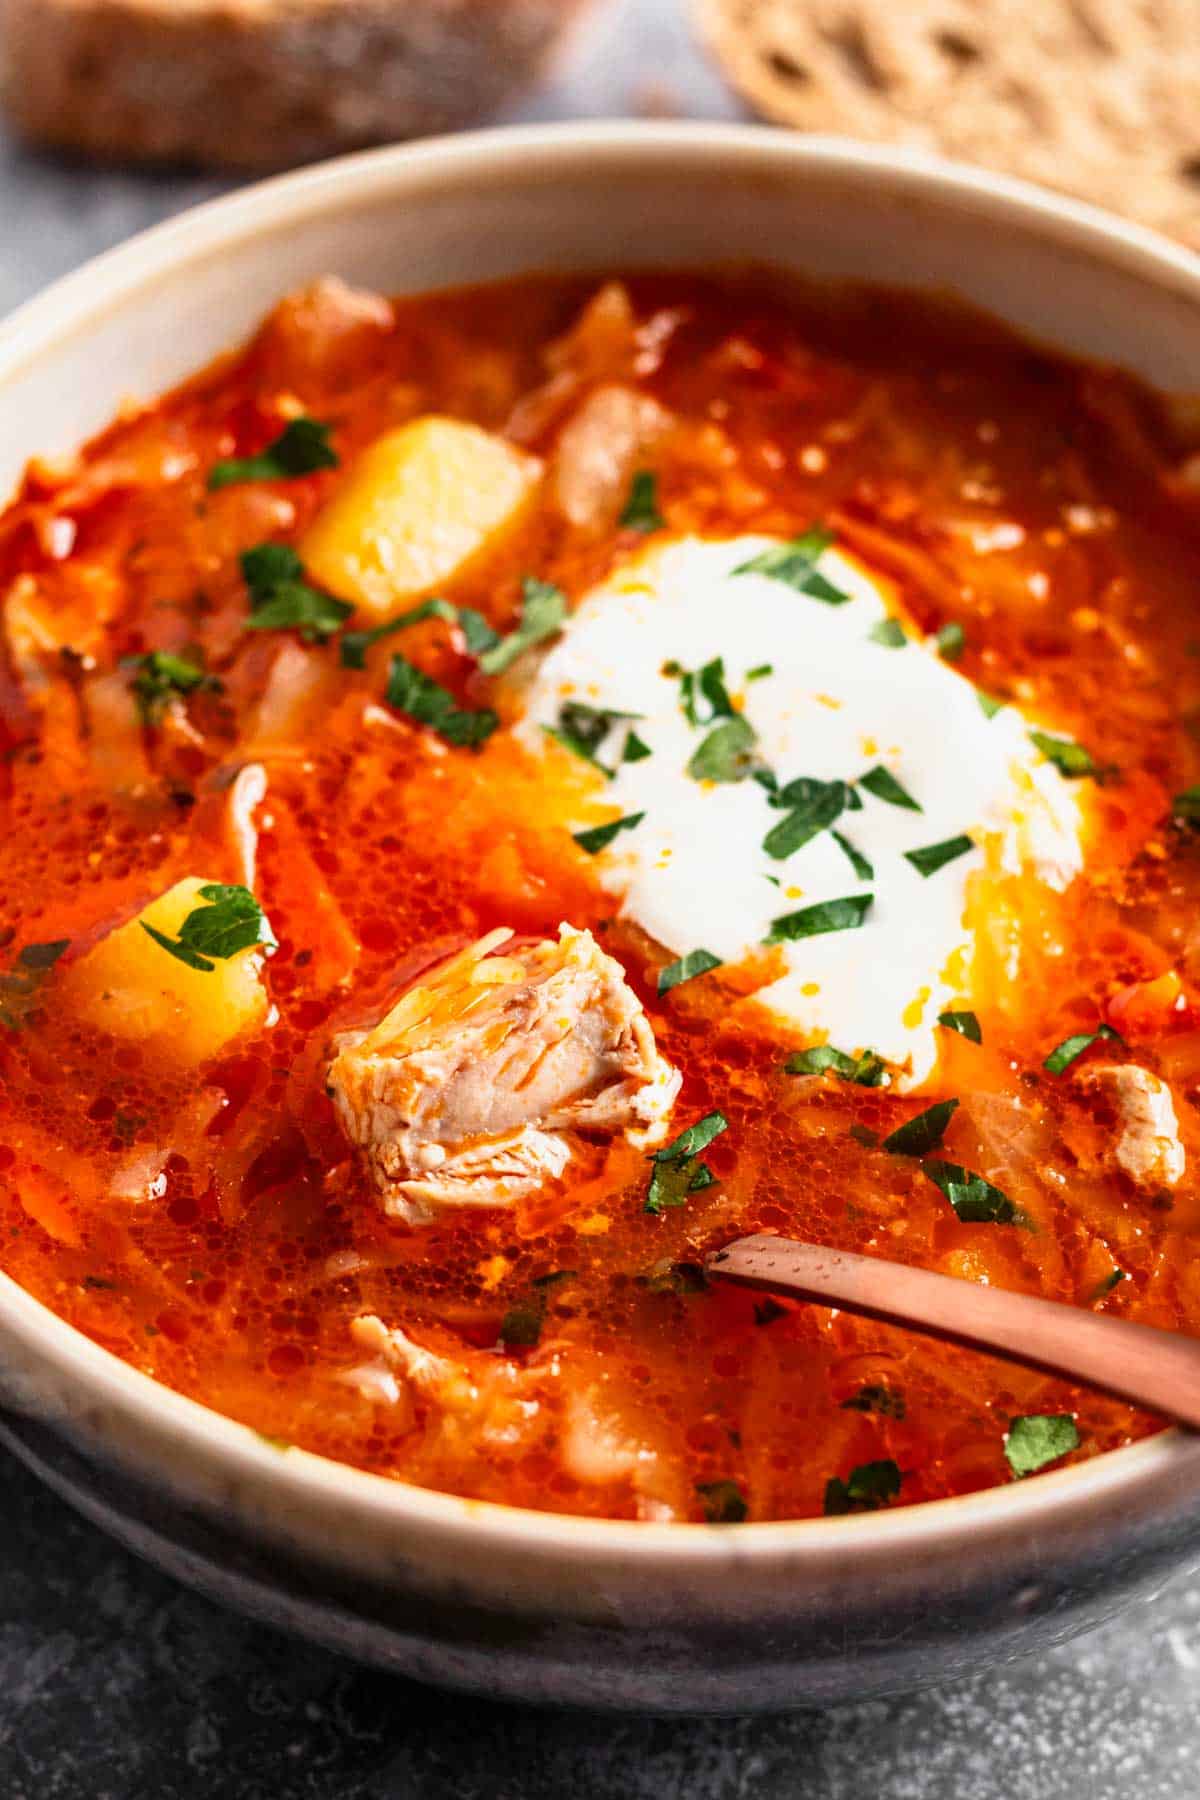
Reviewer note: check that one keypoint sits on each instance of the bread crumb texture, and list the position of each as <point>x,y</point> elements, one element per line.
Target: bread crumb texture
<point>1100,98</point>
<point>264,83</point>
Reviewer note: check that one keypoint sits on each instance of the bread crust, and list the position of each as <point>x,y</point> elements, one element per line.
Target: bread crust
<point>258,84</point>
<point>1099,98</point>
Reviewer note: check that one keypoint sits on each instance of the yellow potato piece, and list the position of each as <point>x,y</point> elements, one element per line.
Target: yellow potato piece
<point>130,986</point>
<point>413,510</point>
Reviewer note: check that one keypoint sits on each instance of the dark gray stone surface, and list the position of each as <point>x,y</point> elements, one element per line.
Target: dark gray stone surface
<point>116,1684</point>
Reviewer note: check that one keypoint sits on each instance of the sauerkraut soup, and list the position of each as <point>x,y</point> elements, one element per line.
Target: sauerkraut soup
<point>507,791</point>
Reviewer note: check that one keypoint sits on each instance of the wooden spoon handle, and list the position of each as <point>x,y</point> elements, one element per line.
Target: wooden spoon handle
<point>1157,1369</point>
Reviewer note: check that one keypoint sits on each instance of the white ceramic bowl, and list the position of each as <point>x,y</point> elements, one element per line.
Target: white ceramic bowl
<point>539,1606</point>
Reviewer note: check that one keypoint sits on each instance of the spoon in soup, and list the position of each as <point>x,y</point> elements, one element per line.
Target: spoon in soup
<point>1154,1368</point>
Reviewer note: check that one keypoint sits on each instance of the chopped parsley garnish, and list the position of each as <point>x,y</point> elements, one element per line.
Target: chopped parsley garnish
<point>965,1023</point>
<point>582,729</point>
<point>846,914</point>
<point>975,1200</point>
<point>1071,1047</point>
<point>866,1488</point>
<point>543,609</point>
<point>1108,1284</point>
<point>876,1398</point>
<point>867,1070</point>
<point>923,1132</point>
<point>858,862</point>
<point>889,633</point>
<point>478,635</point>
<point>1068,757</point>
<point>600,836</point>
<point>355,644</point>
<point>411,692</point>
<point>932,857</point>
<point>696,962</point>
<point>724,1502</point>
<point>301,448</point>
<point>1186,806</point>
<point>883,784</point>
<point>988,706</point>
<point>796,564</point>
<point>281,598</point>
<point>1038,1439</point>
<point>726,753</point>
<point>706,684</point>
<point>951,641</point>
<point>641,509</point>
<point>160,676</point>
<point>521,1326</point>
<point>760,671</point>
<point>814,806</point>
<point>678,1170</point>
<point>230,920</point>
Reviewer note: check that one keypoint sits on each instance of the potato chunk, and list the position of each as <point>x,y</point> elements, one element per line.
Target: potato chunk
<point>130,986</point>
<point>470,1090</point>
<point>416,507</point>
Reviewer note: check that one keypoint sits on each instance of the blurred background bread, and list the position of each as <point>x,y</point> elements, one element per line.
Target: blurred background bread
<point>1097,97</point>
<point>263,83</point>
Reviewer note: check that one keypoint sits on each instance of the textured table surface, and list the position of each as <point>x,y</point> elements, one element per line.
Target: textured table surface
<point>116,1684</point>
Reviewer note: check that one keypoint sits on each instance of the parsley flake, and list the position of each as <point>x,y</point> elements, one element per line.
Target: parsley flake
<point>760,671</point>
<point>858,862</point>
<point>1186,806</point>
<point>1068,757</point>
<point>796,564</point>
<point>543,609</point>
<point>301,448</point>
<point>965,1023</point>
<point>889,633</point>
<point>696,962</point>
<point>726,753</point>
<point>975,1200</point>
<point>641,509</point>
<point>678,1170</point>
<point>1065,1053</point>
<point>411,692</point>
<point>866,1488</point>
<point>950,641</point>
<point>724,1502</point>
<point>846,914</point>
<point>230,920</point>
<point>867,1070</point>
<point>932,857</point>
<point>281,598</point>
<point>355,644</point>
<point>923,1132</point>
<point>1037,1439</point>
<point>989,706</point>
<point>600,836</point>
<point>814,806</point>
<point>883,784</point>
<point>20,986</point>
<point>582,729</point>
<point>160,676</point>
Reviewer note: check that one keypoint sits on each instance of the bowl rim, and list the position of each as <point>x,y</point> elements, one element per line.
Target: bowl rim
<point>75,303</point>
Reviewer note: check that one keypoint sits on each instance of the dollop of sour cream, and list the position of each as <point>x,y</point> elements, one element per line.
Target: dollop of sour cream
<point>817,671</point>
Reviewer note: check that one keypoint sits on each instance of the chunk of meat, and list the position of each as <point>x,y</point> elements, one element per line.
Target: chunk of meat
<point>467,1092</point>
<point>1148,1149</point>
<point>478,1401</point>
<point>599,450</point>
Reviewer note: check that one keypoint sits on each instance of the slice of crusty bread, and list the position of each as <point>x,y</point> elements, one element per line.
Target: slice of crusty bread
<point>1097,97</point>
<point>263,83</point>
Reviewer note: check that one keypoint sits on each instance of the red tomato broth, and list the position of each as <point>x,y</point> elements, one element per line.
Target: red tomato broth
<point>386,849</point>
